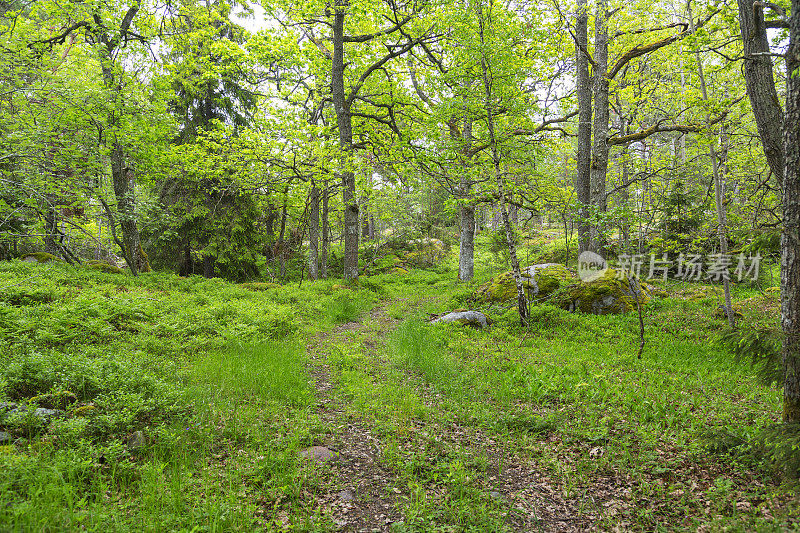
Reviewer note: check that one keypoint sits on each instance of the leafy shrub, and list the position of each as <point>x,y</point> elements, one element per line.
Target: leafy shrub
<point>498,243</point>
<point>555,252</point>
<point>125,394</point>
<point>23,295</point>
<point>426,253</point>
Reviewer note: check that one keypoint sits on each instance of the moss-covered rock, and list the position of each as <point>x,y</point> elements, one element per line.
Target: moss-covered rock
<point>85,410</point>
<point>40,257</point>
<point>55,400</point>
<point>609,294</point>
<point>539,281</point>
<point>103,266</point>
<point>388,262</point>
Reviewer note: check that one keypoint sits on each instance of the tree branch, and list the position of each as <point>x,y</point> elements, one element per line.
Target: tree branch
<point>369,36</point>
<point>640,50</point>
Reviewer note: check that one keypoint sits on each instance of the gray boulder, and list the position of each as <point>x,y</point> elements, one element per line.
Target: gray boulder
<point>475,319</point>
<point>47,414</point>
<point>611,293</point>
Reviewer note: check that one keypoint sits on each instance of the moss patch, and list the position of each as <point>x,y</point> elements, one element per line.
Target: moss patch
<point>103,266</point>
<point>609,294</point>
<point>40,257</point>
<point>539,281</point>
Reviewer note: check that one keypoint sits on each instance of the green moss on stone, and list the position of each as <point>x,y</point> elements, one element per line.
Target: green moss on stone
<point>102,266</point>
<point>609,294</point>
<point>40,257</point>
<point>85,410</point>
<point>55,400</point>
<point>539,281</point>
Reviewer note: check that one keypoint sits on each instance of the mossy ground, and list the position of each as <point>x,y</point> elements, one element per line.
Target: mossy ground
<point>555,427</point>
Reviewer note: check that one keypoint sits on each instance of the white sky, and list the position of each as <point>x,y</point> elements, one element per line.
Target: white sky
<point>256,22</point>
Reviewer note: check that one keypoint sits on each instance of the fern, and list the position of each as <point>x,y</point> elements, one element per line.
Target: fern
<point>761,348</point>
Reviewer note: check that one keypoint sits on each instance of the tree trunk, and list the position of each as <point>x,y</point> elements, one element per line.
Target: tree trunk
<point>790,239</point>
<point>323,252</point>
<point>761,84</point>
<point>313,232</point>
<point>187,268</point>
<point>123,182</point>
<point>584,142</point>
<point>625,225</point>
<point>208,266</point>
<point>282,246</point>
<point>466,210</point>
<point>624,193</point>
<point>466,245</point>
<point>270,229</point>
<point>50,229</point>
<point>364,220</point>
<point>599,165</point>
<point>345,124</point>
<point>719,191</point>
<point>522,301</point>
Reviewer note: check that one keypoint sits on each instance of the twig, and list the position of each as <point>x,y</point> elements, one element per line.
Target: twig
<point>641,320</point>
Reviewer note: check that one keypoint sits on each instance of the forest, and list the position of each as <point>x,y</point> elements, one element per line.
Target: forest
<point>399,265</point>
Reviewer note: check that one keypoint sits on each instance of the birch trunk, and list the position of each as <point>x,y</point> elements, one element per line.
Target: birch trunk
<point>326,234</point>
<point>722,224</point>
<point>522,301</point>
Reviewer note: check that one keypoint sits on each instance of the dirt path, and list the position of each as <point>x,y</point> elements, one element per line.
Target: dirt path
<point>366,495</point>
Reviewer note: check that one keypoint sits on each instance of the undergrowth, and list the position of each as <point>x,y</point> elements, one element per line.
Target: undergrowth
<point>182,403</point>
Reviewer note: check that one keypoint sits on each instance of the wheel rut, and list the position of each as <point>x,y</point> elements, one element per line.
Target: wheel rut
<point>363,495</point>
<point>367,495</point>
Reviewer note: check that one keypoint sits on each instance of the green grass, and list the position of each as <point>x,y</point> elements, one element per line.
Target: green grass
<point>218,378</point>
<point>268,370</point>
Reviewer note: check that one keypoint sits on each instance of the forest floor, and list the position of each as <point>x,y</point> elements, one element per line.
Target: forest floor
<point>186,404</point>
<point>367,495</point>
